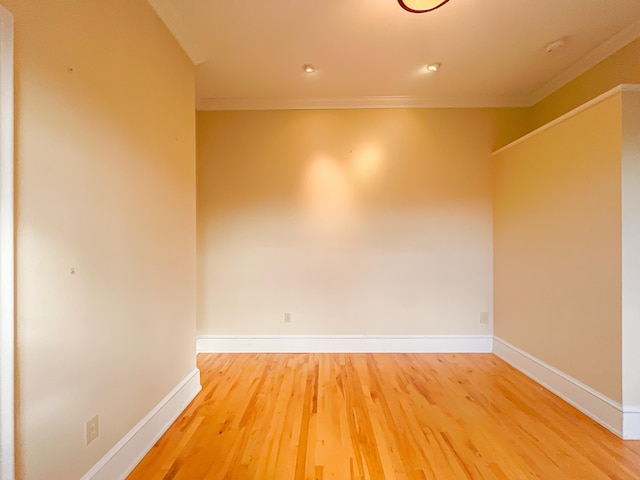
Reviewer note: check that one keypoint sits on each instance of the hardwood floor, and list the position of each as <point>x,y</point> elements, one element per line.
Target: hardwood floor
<point>380,416</point>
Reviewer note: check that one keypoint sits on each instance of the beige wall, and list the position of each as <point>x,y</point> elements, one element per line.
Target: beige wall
<point>621,67</point>
<point>510,124</point>
<point>354,221</point>
<point>557,246</point>
<point>105,185</point>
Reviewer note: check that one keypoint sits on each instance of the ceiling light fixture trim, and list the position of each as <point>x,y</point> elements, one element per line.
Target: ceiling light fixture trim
<point>421,6</point>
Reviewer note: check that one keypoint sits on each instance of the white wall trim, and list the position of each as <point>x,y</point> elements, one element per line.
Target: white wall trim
<point>592,403</point>
<point>344,344</point>
<point>7,314</point>
<point>631,423</point>
<point>127,453</point>
<point>571,113</point>
<point>587,62</point>
<point>204,104</point>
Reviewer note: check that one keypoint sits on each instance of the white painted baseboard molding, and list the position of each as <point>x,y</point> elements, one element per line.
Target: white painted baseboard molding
<point>623,422</point>
<point>631,423</point>
<point>344,344</point>
<point>125,455</point>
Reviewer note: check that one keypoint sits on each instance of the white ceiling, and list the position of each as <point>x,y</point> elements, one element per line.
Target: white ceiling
<point>249,53</point>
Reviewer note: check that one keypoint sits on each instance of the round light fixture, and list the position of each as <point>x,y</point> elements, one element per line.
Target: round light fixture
<point>421,6</point>
<point>434,67</point>
<point>308,68</point>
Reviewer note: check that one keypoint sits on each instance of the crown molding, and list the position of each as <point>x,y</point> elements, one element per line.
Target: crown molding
<point>328,103</point>
<point>184,36</point>
<point>621,39</point>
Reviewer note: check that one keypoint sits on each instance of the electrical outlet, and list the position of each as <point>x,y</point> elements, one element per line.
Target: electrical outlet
<point>92,430</point>
<point>484,317</point>
<point>287,317</point>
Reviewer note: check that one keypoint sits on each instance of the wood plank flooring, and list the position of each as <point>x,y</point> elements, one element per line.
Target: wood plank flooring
<point>380,416</point>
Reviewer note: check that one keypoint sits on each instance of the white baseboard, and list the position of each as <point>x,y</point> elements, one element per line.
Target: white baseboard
<point>125,455</point>
<point>631,423</point>
<point>592,403</point>
<point>344,344</point>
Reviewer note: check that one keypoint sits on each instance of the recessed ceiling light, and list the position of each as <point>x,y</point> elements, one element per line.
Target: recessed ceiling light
<point>308,68</point>
<point>434,67</point>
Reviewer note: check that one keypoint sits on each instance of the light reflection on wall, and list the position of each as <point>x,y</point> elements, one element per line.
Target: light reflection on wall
<point>328,196</point>
<point>329,188</point>
<point>366,164</point>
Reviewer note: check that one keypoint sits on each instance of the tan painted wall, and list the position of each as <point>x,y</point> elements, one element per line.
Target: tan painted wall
<point>621,67</point>
<point>557,246</point>
<point>510,124</point>
<point>355,222</point>
<point>105,185</point>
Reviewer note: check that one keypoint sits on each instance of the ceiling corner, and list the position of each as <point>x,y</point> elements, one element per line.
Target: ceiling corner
<point>184,36</point>
<point>588,61</point>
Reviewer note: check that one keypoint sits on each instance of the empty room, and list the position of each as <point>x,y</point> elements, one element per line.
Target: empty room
<point>341,239</point>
